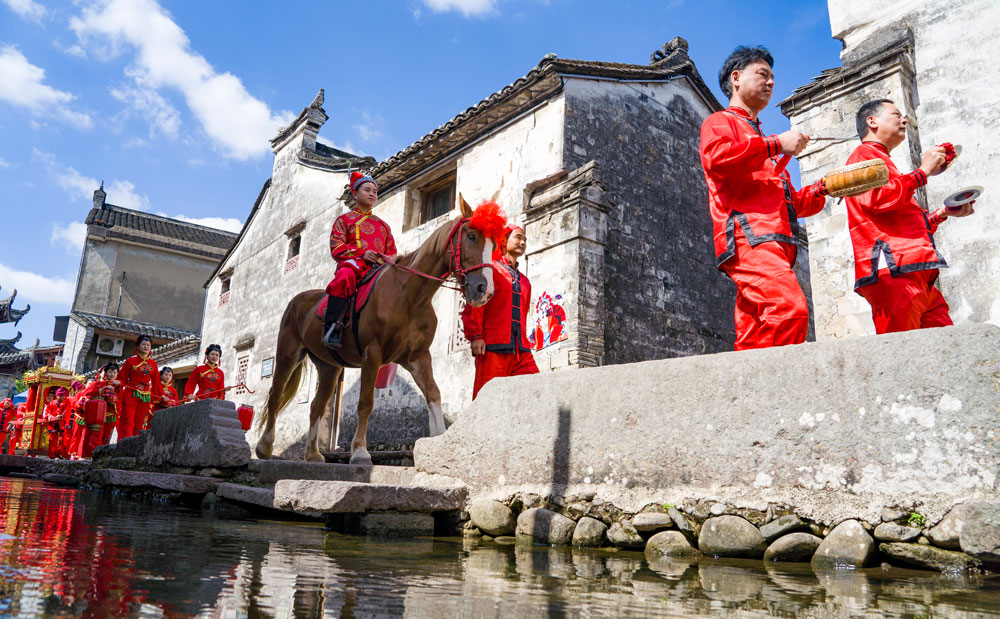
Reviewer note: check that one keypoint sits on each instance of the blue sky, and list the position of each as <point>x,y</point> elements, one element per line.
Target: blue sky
<point>172,104</point>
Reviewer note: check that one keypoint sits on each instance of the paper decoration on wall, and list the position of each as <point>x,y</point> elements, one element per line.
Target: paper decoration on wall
<point>550,317</point>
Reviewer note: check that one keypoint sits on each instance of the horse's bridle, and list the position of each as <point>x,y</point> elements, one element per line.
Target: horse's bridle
<point>454,261</point>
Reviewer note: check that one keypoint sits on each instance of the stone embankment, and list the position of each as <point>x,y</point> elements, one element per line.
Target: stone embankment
<point>967,538</point>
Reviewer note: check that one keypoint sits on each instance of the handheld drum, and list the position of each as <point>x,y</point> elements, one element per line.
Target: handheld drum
<point>94,411</point>
<point>856,178</point>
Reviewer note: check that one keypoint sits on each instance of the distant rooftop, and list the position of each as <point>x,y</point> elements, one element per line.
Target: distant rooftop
<point>130,327</point>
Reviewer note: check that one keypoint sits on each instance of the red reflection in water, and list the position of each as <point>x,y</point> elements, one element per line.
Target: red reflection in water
<point>61,562</point>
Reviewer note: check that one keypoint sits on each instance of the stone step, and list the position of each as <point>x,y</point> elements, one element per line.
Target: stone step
<point>261,497</point>
<point>191,484</point>
<point>270,472</point>
<point>395,458</point>
<point>13,463</point>
<point>301,495</point>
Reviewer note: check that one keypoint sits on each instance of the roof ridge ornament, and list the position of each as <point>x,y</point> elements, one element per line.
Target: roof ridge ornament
<point>318,101</point>
<point>671,47</point>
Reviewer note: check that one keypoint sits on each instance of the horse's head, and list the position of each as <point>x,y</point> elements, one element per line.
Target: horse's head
<point>480,234</point>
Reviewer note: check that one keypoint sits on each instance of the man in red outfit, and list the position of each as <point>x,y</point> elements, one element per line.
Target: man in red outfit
<point>358,240</point>
<point>895,260</point>
<point>207,379</point>
<point>498,330</point>
<point>141,385</point>
<point>754,207</point>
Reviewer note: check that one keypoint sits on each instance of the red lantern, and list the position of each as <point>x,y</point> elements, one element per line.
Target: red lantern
<point>245,413</point>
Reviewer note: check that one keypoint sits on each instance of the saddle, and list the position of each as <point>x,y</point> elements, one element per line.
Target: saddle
<point>355,304</point>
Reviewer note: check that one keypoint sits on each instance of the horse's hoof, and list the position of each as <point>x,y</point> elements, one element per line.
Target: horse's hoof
<point>262,453</point>
<point>315,457</point>
<point>361,458</point>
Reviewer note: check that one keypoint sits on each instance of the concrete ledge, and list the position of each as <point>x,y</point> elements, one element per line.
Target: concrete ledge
<point>840,428</point>
<point>270,472</point>
<point>261,497</point>
<point>352,497</point>
<point>161,481</point>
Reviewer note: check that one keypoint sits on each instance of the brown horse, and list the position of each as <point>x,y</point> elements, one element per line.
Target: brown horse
<point>397,326</point>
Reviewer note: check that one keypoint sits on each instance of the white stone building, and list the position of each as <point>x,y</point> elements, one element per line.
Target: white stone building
<point>599,162</point>
<point>932,59</point>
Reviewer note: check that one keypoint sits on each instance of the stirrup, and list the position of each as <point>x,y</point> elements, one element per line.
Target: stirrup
<point>332,338</point>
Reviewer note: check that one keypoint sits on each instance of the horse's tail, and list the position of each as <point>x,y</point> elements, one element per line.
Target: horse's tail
<point>287,393</point>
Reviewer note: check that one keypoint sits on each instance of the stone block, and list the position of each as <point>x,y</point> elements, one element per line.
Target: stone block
<point>780,526</point>
<point>269,472</point>
<point>948,532</point>
<point>669,544</point>
<point>848,545</point>
<point>930,558</point>
<point>800,424</point>
<point>60,479</point>
<point>589,532</point>
<point>980,535</point>
<point>262,497</point>
<point>206,433</point>
<point>545,526</point>
<point>492,517</point>
<point>301,495</point>
<point>731,536</point>
<point>623,535</point>
<point>10,463</point>
<point>385,524</point>
<point>190,484</point>
<point>892,532</point>
<point>793,547</point>
<point>652,521</point>
<point>130,447</point>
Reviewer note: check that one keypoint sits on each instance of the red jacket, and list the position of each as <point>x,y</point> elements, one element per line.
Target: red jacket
<point>743,186</point>
<point>140,375</point>
<point>355,232</point>
<point>205,378</point>
<point>888,223</point>
<point>501,323</point>
<point>171,393</point>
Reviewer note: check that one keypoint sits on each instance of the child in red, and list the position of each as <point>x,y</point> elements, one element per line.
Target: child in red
<point>6,416</point>
<point>141,380</point>
<point>107,387</point>
<point>358,240</point>
<point>16,427</point>
<point>207,379</point>
<point>169,397</point>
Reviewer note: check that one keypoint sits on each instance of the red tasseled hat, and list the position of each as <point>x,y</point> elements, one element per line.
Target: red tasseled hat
<point>489,219</point>
<point>498,251</point>
<point>358,179</point>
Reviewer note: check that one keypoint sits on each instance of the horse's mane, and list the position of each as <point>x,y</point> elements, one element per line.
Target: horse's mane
<point>434,243</point>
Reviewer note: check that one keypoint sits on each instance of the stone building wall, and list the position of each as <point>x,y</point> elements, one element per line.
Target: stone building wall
<point>665,296</point>
<point>918,54</point>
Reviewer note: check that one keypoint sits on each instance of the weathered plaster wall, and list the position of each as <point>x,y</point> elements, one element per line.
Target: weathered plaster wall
<point>664,295</point>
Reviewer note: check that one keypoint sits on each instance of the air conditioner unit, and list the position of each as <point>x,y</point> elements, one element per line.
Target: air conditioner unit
<point>110,346</point>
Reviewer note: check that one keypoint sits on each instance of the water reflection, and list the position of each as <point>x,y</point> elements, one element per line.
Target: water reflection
<point>68,553</point>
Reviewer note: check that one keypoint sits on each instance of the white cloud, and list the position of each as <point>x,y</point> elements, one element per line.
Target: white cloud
<point>468,8</point>
<point>161,115</point>
<point>27,9</point>
<point>4,163</point>
<point>38,288</point>
<point>230,224</point>
<point>368,127</point>
<point>71,236</point>
<point>238,123</point>
<point>81,187</point>
<point>22,86</point>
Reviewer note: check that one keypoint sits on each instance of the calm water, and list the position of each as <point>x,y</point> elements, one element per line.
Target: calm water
<point>69,553</point>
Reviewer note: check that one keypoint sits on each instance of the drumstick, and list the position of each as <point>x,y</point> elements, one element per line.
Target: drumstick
<point>832,139</point>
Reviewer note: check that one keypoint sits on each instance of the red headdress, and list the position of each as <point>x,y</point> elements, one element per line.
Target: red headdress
<point>489,219</point>
<point>358,179</point>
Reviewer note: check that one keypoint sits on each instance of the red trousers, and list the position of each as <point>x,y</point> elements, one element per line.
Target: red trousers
<point>490,365</point>
<point>345,280</point>
<point>15,440</point>
<point>771,309</point>
<point>132,415</point>
<point>55,444</point>
<point>906,302</point>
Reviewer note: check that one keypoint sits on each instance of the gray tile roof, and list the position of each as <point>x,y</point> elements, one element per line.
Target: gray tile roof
<point>128,326</point>
<point>160,231</point>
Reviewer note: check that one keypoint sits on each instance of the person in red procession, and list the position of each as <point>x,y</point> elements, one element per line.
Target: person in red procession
<point>169,397</point>
<point>358,241</point>
<point>895,260</point>
<point>207,379</point>
<point>141,380</point>
<point>498,330</point>
<point>69,414</point>
<point>6,416</point>
<point>16,427</point>
<point>53,417</point>
<point>754,207</point>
